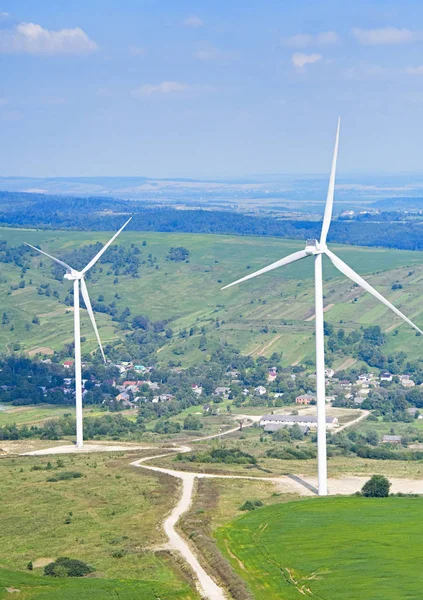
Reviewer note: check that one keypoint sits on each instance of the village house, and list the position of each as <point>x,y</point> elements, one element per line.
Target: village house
<point>391,439</point>
<point>222,391</point>
<point>329,373</point>
<point>197,389</point>
<point>386,376</point>
<point>163,398</point>
<point>407,383</point>
<point>365,377</point>
<point>260,390</point>
<point>302,420</point>
<point>305,399</point>
<point>68,364</point>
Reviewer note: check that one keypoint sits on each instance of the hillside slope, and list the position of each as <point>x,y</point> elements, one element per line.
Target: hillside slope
<point>271,313</point>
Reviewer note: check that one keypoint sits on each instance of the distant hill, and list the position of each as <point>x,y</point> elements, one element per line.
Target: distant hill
<point>399,203</point>
<point>44,211</point>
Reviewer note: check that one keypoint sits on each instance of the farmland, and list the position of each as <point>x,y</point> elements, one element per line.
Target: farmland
<point>261,317</point>
<point>328,547</point>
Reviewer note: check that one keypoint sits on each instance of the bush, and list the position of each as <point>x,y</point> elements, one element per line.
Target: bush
<point>377,487</point>
<point>251,505</point>
<point>66,475</point>
<point>67,567</point>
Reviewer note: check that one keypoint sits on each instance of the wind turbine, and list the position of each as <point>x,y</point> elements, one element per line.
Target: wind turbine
<point>317,249</point>
<point>79,284</point>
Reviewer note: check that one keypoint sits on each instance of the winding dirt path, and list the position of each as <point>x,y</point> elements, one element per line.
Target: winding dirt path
<point>364,414</point>
<point>205,584</point>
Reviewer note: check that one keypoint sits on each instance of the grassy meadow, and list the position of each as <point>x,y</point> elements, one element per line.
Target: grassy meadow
<point>110,518</point>
<point>332,548</point>
<point>273,313</point>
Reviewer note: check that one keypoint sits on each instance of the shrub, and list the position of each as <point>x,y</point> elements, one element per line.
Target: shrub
<point>66,475</point>
<point>119,553</point>
<point>377,487</point>
<point>67,567</point>
<point>251,505</point>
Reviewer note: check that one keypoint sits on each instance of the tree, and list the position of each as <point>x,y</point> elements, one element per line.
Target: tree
<point>296,433</point>
<point>192,423</point>
<point>377,487</point>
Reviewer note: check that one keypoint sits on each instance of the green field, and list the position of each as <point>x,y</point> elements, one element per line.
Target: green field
<point>188,293</point>
<point>331,548</point>
<point>116,513</point>
<point>37,414</point>
<point>26,586</point>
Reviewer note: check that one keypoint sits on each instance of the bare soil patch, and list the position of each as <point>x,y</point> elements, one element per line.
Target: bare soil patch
<point>326,308</point>
<point>41,350</point>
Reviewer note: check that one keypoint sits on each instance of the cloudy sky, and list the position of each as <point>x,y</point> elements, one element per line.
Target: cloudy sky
<point>207,89</point>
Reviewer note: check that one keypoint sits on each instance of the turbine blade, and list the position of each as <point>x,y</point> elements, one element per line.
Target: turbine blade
<point>279,263</point>
<point>346,270</point>
<point>104,248</point>
<point>331,190</point>
<point>49,256</point>
<point>87,301</point>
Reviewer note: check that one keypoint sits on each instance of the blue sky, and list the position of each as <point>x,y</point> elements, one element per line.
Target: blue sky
<point>209,89</point>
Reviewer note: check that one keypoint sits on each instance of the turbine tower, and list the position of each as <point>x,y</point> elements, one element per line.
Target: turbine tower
<point>317,249</point>
<point>79,285</point>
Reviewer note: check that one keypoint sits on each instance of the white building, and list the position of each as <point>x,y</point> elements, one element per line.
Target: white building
<point>302,420</point>
<point>260,390</point>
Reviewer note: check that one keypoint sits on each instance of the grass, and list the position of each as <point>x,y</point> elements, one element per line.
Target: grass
<point>114,507</point>
<point>38,413</point>
<point>189,294</point>
<point>329,548</point>
<point>35,587</point>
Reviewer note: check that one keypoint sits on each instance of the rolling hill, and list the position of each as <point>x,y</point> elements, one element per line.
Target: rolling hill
<point>273,313</point>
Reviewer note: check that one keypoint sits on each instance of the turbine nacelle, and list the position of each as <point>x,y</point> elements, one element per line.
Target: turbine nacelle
<point>73,275</point>
<point>313,247</point>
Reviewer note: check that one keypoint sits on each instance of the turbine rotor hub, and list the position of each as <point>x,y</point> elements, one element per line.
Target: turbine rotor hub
<point>73,275</point>
<point>313,247</point>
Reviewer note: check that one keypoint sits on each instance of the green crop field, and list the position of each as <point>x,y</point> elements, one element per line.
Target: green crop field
<point>331,548</point>
<point>272,313</point>
<point>110,518</point>
<point>26,586</point>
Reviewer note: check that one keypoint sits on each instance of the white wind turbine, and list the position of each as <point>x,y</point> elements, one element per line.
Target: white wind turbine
<point>317,249</point>
<point>78,278</point>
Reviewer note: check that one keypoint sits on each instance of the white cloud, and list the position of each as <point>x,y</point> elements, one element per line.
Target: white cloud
<point>414,70</point>
<point>368,72</point>
<point>211,53</point>
<point>299,60</point>
<point>30,38</point>
<point>328,37</point>
<point>10,115</point>
<point>4,15</point>
<point>302,40</point>
<point>169,87</point>
<point>54,101</point>
<point>193,21</point>
<point>104,92</point>
<point>386,36</point>
<point>136,51</point>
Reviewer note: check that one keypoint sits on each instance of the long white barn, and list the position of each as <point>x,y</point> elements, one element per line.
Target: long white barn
<point>302,420</point>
